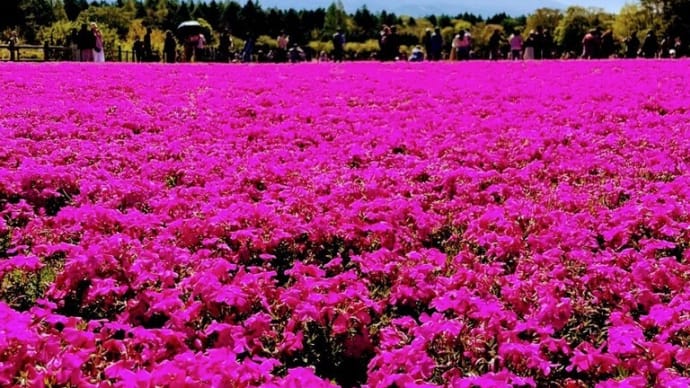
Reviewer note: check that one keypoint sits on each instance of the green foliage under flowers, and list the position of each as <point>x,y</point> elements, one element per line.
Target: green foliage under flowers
<point>20,288</point>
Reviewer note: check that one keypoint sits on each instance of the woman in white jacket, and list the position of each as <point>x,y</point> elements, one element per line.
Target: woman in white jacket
<point>98,50</point>
<point>455,47</point>
<point>529,46</point>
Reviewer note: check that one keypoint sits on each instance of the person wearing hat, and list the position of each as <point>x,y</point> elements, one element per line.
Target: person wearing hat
<point>417,54</point>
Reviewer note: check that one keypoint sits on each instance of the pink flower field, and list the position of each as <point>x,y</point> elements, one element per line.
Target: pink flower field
<point>384,225</point>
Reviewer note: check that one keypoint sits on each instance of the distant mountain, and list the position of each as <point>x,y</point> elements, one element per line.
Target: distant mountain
<point>450,7</point>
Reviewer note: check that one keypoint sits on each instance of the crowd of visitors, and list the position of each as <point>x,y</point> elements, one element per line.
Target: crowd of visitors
<point>87,45</point>
<point>540,44</point>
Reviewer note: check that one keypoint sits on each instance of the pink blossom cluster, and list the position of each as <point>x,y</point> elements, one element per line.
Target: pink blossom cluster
<point>409,225</point>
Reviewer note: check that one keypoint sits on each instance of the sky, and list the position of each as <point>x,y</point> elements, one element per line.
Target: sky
<point>451,7</point>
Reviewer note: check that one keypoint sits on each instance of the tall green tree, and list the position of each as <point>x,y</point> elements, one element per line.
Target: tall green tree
<point>576,22</point>
<point>39,12</point>
<point>366,23</point>
<point>336,17</point>
<point>445,21</point>
<point>508,23</point>
<point>275,21</point>
<point>670,17</point>
<point>230,17</point>
<point>74,7</point>
<point>313,22</point>
<point>117,19</point>
<point>548,18</point>
<point>10,14</point>
<point>388,18</point>
<point>632,18</point>
<point>59,10</point>
<point>130,6</point>
<point>212,13</point>
<point>679,20</point>
<point>183,13</point>
<point>251,18</point>
<point>293,27</point>
<point>34,14</point>
<point>161,12</point>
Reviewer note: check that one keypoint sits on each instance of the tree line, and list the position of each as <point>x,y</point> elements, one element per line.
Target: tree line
<point>123,21</point>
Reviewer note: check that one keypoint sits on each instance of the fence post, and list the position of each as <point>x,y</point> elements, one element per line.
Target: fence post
<point>119,53</point>
<point>46,53</point>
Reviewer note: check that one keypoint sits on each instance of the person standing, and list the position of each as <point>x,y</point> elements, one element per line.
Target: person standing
<point>436,44</point>
<point>548,46</point>
<point>465,46</point>
<point>148,49</point>
<point>426,42</point>
<point>98,47</point>
<point>86,43</point>
<point>529,46</point>
<point>73,41</point>
<point>632,45</point>
<point>650,46</point>
<point>199,48</point>
<point>678,49</point>
<point>455,46</point>
<point>138,50</point>
<point>169,47</point>
<point>539,43</point>
<point>395,43</point>
<point>495,45</point>
<point>225,47</point>
<point>665,47</point>
<point>13,46</point>
<point>283,41</point>
<point>338,46</point>
<point>385,52</point>
<point>189,45</point>
<point>589,45</point>
<point>607,44</point>
<point>248,49</point>
<point>516,46</point>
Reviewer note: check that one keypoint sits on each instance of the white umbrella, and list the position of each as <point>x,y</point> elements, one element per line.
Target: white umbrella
<point>190,27</point>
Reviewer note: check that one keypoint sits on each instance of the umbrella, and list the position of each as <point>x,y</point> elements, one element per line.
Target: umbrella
<point>190,27</point>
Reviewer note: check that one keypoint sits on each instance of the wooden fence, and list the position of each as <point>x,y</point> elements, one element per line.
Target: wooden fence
<point>34,53</point>
<point>47,52</point>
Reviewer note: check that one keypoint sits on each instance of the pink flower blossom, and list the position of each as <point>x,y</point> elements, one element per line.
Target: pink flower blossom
<point>179,227</point>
